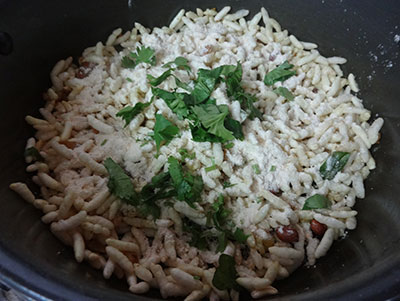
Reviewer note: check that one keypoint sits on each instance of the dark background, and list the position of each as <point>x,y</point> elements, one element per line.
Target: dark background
<point>366,265</point>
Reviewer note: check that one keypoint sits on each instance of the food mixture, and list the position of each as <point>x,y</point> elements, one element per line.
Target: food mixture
<point>202,159</point>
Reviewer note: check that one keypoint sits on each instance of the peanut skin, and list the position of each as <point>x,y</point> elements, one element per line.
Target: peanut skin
<point>287,234</point>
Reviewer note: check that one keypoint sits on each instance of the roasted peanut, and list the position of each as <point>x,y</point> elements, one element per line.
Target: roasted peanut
<point>318,228</point>
<point>287,234</point>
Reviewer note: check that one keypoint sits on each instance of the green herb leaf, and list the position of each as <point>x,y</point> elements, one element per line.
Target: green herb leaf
<point>222,241</point>
<point>212,118</point>
<point>119,182</point>
<point>129,80</point>
<point>335,163</point>
<point>159,188</point>
<point>256,169</point>
<point>104,142</point>
<point>206,81</point>
<point>227,184</point>
<point>33,153</point>
<point>200,134</point>
<point>226,274</point>
<point>316,201</point>
<point>235,127</point>
<point>234,89</point>
<point>188,187</point>
<point>239,236</point>
<point>174,100</point>
<point>180,62</point>
<point>247,103</point>
<point>142,55</point>
<point>199,236</point>
<point>164,131</point>
<point>229,145</point>
<point>279,74</point>
<point>210,168</point>
<point>285,93</point>
<point>273,168</point>
<point>185,154</point>
<point>127,62</point>
<point>129,113</point>
<point>155,81</point>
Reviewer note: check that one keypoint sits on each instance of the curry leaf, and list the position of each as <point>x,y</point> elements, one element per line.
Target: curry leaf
<point>226,274</point>
<point>316,201</point>
<point>335,163</point>
<point>282,91</point>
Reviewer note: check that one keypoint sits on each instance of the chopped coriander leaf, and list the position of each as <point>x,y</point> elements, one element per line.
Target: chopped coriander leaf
<point>206,81</point>
<point>210,168</point>
<point>229,145</point>
<point>159,188</point>
<point>33,153</point>
<point>282,91</point>
<point>316,201</point>
<point>129,113</point>
<point>233,80</point>
<point>180,62</point>
<point>225,276</point>
<point>164,131</point>
<point>185,154</point>
<point>259,200</point>
<point>104,142</point>
<point>208,121</point>
<point>199,236</point>
<point>235,90</point>
<point>181,84</point>
<point>188,187</point>
<point>129,80</point>
<point>174,100</point>
<point>142,55</point>
<point>335,163</point>
<point>222,241</point>
<point>239,236</point>
<point>212,118</point>
<point>119,182</point>
<point>273,168</point>
<point>256,169</point>
<point>200,134</point>
<point>235,127</point>
<point>219,213</point>
<point>227,184</point>
<point>126,62</point>
<point>155,81</point>
<point>279,74</point>
<point>196,277</point>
